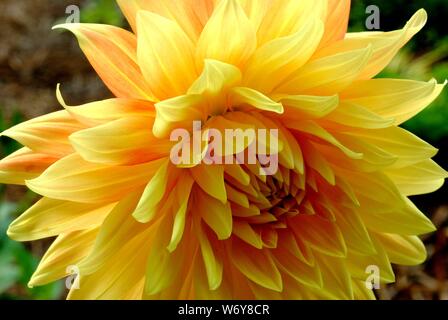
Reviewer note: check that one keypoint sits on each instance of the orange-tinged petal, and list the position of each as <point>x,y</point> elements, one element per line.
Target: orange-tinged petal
<point>24,164</point>
<point>99,112</point>
<point>191,15</point>
<point>336,22</point>
<point>47,134</point>
<point>228,36</point>
<point>112,53</point>
<point>165,55</point>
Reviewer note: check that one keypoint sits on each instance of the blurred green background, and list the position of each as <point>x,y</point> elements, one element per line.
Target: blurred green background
<point>33,60</point>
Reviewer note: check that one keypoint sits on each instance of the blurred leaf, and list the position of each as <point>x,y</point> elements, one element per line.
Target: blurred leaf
<point>102,11</point>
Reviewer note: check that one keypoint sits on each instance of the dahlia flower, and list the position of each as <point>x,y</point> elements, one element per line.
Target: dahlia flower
<point>139,226</point>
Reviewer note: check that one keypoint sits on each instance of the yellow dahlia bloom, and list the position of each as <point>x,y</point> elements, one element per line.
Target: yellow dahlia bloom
<point>138,226</point>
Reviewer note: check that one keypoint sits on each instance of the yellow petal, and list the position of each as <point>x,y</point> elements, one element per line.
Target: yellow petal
<point>99,112</point>
<point>213,84</point>
<point>49,218</point>
<point>212,262</point>
<point>217,216</point>
<point>420,178</point>
<point>400,143</point>
<point>67,250</point>
<point>165,55</point>
<point>126,141</point>
<point>300,271</point>
<point>178,112</point>
<point>152,195</point>
<point>335,277</point>
<point>245,232</point>
<point>317,162</point>
<point>307,107</point>
<point>404,250</point>
<point>121,276</point>
<point>336,22</point>
<point>117,230</point>
<point>373,157</point>
<point>182,191</point>
<point>238,173</point>
<point>191,15</point>
<point>47,134</point>
<point>237,197</point>
<point>404,219</point>
<point>211,180</point>
<point>385,45</point>
<point>74,179</point>
<point>242,95</point>
<point>356,236</point>
<point>273,62</point>
<point>392,98</point>
<point>353,115</point>
<point>284,18</point>
<point>112,53</point>
<point>321,234</point>
<point>24,164</point>
<point>358,263</point>
<point>311,128</point>
<point>327,75</point>
<point>257,265</point>
<point>163,268</point>
<point>228,36</point>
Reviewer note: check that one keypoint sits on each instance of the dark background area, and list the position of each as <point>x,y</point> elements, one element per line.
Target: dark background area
<point>33,59</point>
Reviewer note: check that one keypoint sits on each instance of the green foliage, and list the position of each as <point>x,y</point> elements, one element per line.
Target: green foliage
<point>102,11</point>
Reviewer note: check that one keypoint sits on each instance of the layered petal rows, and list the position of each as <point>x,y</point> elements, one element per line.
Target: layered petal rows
<point>139,226</point>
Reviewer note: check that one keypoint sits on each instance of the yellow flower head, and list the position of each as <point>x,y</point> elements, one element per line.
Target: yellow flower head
<point>136,225</point>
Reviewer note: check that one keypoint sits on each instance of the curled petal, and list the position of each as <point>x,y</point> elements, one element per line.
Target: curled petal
<point>112,53</point>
